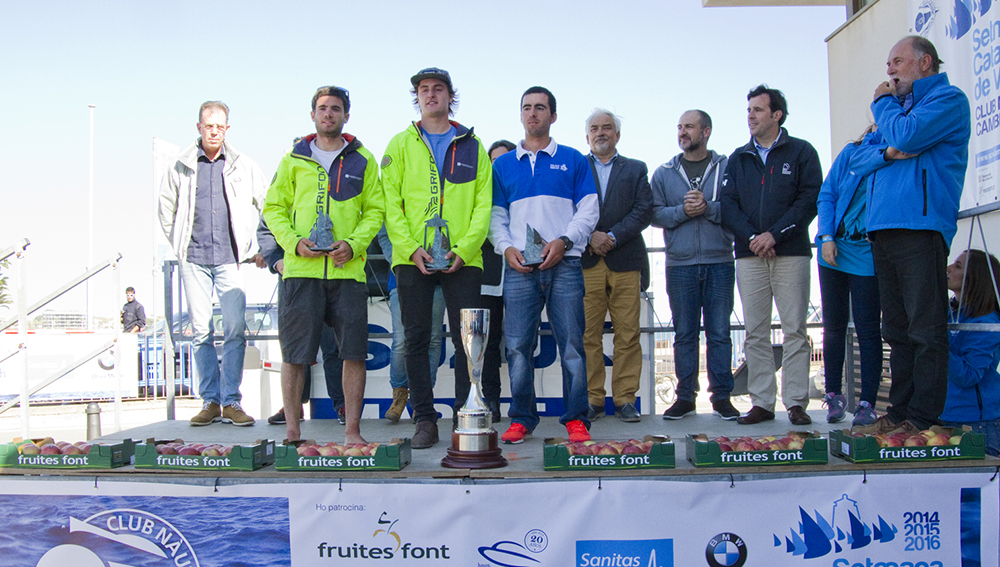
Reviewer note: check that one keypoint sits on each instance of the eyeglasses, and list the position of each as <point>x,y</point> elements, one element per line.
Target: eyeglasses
<point>214,127</point>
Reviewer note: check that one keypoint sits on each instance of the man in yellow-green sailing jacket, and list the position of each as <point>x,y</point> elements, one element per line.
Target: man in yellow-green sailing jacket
<point>437,180</point>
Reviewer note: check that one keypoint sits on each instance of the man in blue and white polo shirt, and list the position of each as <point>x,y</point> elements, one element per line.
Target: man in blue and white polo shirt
<point>550,188</point>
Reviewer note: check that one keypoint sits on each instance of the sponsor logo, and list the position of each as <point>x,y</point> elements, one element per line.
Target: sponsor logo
<point>926,13</point>
<point>625,553</point>
<point>843,528</point>
<point>142,538</point>
<point>786,169</point>
<point>726,550</point>
<point>513,554</point>
<point>386,160</point>
<point>388,544</point>
<point>558,166</point>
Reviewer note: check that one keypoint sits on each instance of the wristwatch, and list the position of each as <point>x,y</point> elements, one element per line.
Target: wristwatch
<point>569,243</point>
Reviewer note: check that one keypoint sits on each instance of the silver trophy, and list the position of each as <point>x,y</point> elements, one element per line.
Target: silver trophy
<point>474,441</point>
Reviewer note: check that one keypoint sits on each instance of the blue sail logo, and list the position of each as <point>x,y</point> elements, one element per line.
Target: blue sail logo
<point>817,536</point>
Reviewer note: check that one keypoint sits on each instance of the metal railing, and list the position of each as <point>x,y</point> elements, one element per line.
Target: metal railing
<point>23,399</point>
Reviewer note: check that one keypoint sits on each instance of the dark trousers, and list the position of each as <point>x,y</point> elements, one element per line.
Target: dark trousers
<point>333,368</point>
<point>843,294</point>
<point>416,298</point>
<point>492,359</point>
<point>913,289</point>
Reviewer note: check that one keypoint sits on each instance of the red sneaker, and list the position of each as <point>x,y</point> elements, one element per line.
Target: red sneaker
<point>577,431</point>
<point>515,434</point>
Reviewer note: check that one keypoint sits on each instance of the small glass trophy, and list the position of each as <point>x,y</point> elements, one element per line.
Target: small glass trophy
<point>440,244</point>
<point>321,234</point>
<point>533,245</point>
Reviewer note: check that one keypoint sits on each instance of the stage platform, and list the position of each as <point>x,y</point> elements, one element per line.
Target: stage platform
<point>525,459</point>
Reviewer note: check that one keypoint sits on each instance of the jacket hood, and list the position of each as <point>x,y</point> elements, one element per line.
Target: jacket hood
<point>460,131</point>
<point>675,162</point>
<point>301,147</point>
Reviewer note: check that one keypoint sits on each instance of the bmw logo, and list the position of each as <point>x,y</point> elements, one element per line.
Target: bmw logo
<point>726,550</point>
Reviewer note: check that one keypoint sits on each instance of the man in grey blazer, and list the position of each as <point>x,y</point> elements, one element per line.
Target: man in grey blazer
<point>615,267</point>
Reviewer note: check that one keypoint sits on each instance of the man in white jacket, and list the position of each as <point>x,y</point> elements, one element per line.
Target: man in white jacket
<point>210,203</point>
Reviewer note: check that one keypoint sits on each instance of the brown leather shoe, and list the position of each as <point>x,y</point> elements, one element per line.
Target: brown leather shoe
<point>907,427</point>
<point>425,436</point>
<point>756,415</point>
<point>798,416</point>
<point>881,425</point>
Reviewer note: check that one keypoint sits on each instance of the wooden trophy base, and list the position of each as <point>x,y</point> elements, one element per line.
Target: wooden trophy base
<point>491,457</point>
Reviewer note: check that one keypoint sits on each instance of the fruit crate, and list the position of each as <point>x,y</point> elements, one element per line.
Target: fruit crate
<point>240,458</point>
<point>962,445</point>
<point>100,456</point>
<point>392,456</point>
<point>658,454</point>
<point>705,452</point>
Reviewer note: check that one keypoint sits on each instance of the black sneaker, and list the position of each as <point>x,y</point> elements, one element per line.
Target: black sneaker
<point>595,412</point>
<point>341,417</point>
<point>278,418</point>
<point>680,410</point>
<point>628,413</point>
<point>725,410</point>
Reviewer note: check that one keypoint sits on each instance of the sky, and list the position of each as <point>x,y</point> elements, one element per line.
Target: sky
<point>147,66</point>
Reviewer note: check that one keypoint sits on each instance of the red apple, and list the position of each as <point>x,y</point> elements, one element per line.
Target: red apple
<point>353,452</point>
<point>725,447</point>
<point>166,450</point>
<point>71,450</point>
<point>51,449</point>
<point>915,441</point>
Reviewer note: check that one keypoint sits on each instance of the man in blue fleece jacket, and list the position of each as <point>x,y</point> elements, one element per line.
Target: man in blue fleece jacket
<point>912,218</point>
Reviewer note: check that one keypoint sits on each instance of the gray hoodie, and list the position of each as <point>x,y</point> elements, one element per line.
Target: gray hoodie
<point>690,241</point>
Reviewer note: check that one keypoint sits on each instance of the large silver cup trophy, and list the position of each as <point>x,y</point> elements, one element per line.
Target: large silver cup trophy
<point>474,441</point>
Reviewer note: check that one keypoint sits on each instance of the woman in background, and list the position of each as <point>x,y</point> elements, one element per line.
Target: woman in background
<point>973,381</point>
<point>847,278</point>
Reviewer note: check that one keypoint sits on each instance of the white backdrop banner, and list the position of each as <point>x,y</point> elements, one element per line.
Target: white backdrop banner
<point>890,520</point>
<point>966,34</point>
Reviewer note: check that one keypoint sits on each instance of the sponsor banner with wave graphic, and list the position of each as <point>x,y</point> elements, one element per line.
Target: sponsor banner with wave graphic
<point>888,520</point>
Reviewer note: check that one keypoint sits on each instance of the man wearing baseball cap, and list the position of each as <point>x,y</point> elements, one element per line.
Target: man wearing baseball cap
<point>437,182</point>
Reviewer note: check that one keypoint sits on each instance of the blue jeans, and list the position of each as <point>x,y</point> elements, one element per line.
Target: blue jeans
<point>560,290</point>
<point>838,291</point>
<point>397,362</point>
<point>693,291</point>
<point>198,283</point>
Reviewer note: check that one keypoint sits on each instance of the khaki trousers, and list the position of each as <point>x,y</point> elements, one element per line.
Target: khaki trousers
<point>783,281</point>
<point>617,292</point>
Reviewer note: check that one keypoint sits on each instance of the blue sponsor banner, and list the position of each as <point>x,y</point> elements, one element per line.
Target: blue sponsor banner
<point>625,553</point>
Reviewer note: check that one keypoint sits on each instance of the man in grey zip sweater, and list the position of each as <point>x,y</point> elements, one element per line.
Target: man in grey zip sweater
<point>700,265</point>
